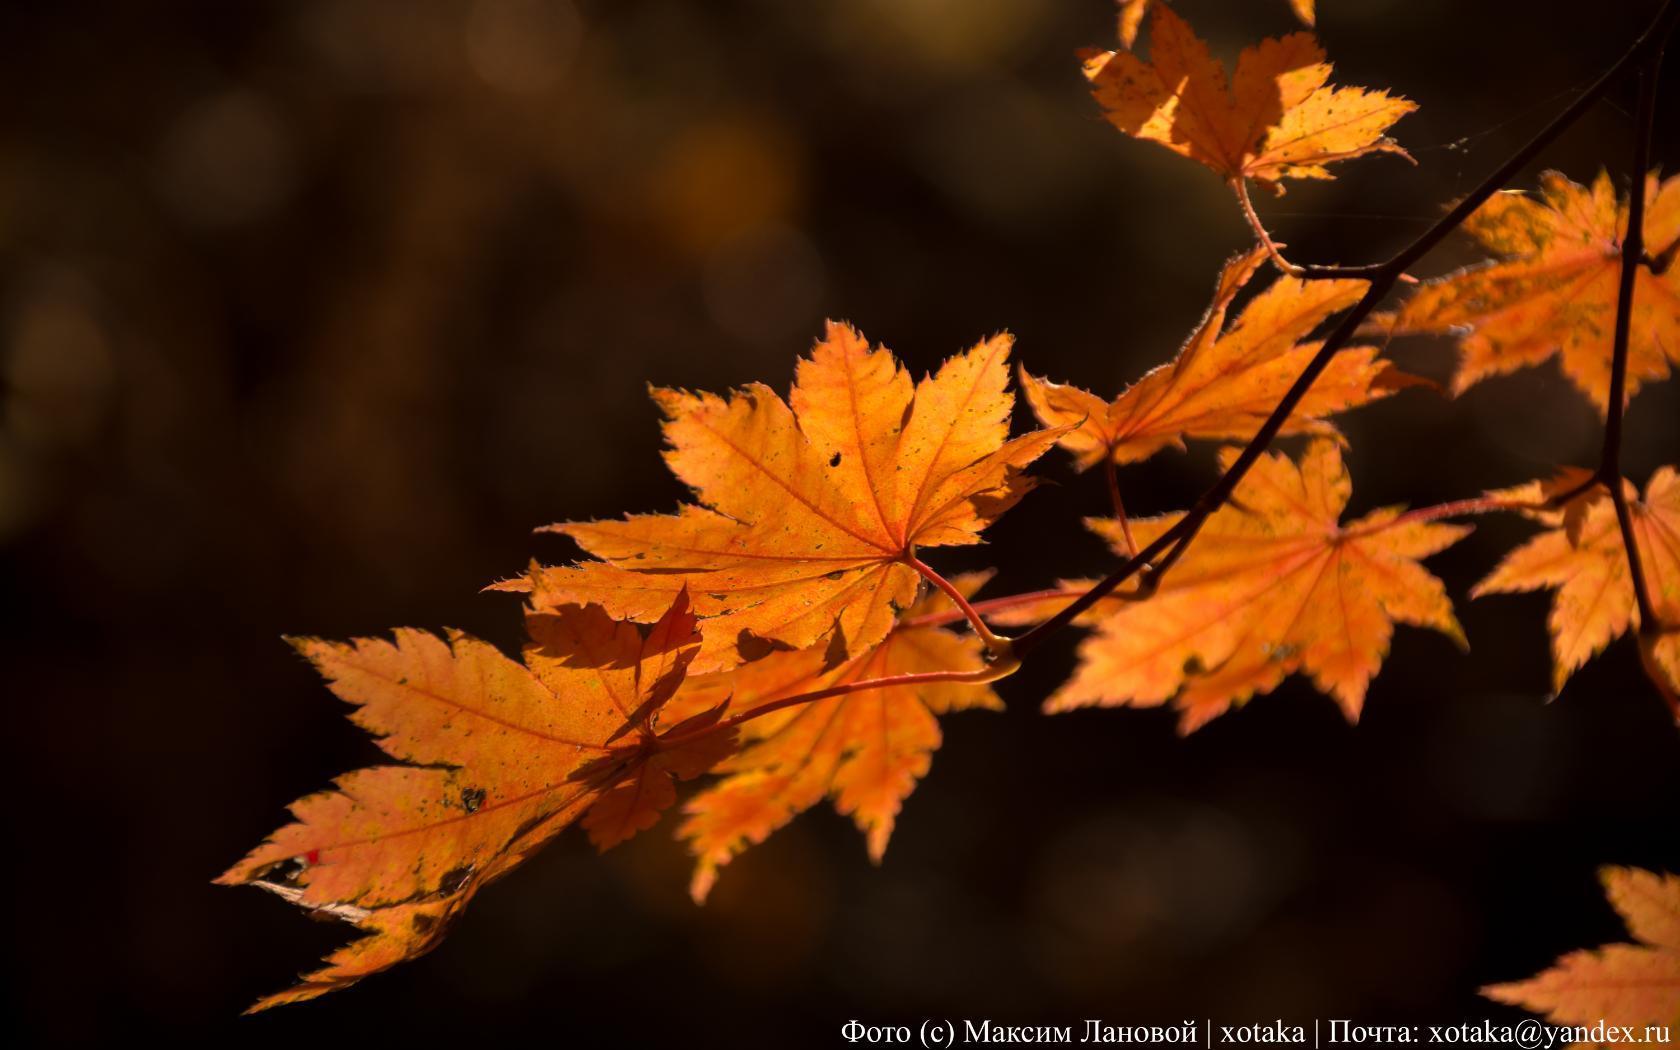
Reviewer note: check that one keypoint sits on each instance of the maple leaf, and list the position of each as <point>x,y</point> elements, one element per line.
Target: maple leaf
<point>1586,562</point>
<point>1555,290</point>
<point>1618,984</point>
<point>1272,585</point>
<point>864,749</point>
<point>1132,12</point>
<point>1224,383</point>
<point>1276,118</point>
<point>503,756</point>
<point>812,511</point>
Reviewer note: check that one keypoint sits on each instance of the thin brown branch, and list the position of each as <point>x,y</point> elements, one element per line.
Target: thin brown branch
<point>1633,252</point>
<point>997,669</point>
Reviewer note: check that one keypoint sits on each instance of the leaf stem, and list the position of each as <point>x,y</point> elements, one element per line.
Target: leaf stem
<point>1113,474</point>
<point>1239,186</point>
<point>990,673</point>
<point>996,644</point>
<point>1457,508</point>
<point>1008,601</point>
<point>1167,548</point>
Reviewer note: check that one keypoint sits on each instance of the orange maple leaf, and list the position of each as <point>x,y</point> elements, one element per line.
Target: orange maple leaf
<point>864,749</point>
<point>1619,984</point>
<point>1276,118</point>
<point>1224,384</point>
<point>1272,585</point>
<point>504,755</point>
<point>1555,291</point>
<point>812,511</point>
<point>1586,562</point>
<point>1132,12</point>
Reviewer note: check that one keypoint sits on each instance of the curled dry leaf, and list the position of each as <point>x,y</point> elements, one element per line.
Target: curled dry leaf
<point>1276,118</point>
<point>1224,382</point>
<point>865,750</point>
<point>1554,290</point>
<point>1273,585</point>
<point>810,508</point>
<point>1586,562</point>
<point>502,756</point>
<point>1632,985</point>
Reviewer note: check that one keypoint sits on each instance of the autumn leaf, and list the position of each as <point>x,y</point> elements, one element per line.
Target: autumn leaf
<point>502,756</point>
<point>1132,12</point>
<point>1659,651</point>
<point>1224,382</point>
<point>1594,603</point>
<point>395,934</point>
<point>1272,585</point>
<point>865,749</point>
<point>1554,290</point>
<point>811,510</point>
<point>1619,984</point>
<point>1276,118</point>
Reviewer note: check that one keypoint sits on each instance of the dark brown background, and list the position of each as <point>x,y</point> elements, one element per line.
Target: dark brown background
<point>310,311</point>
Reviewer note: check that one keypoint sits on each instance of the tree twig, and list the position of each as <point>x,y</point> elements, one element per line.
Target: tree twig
<point>1633,252</point>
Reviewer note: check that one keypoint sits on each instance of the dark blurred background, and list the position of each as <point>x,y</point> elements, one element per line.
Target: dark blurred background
<point>310,311</point>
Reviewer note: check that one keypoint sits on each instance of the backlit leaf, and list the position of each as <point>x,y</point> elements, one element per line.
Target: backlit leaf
<point>1588,568</point>
<point>1632,985</point>
<point>505,755</point>
<point>1273,585</point>
<point>810,508</point>
<point>1553,292</point>
<point>1225,381</point>
<point>1277,117</point>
